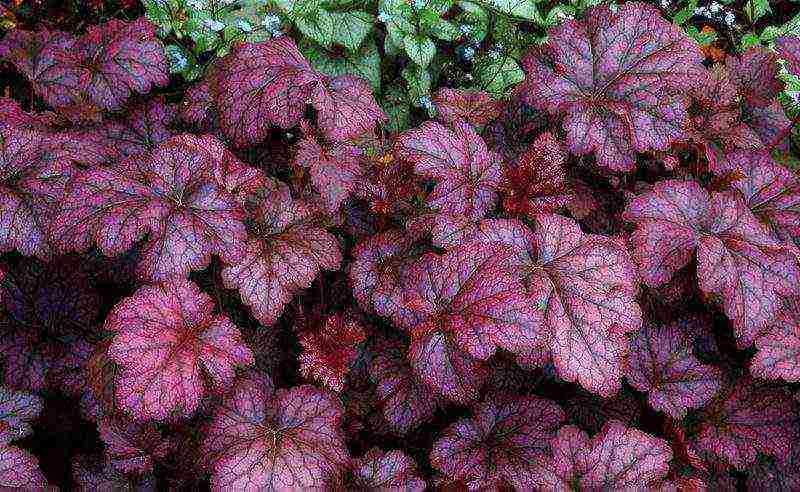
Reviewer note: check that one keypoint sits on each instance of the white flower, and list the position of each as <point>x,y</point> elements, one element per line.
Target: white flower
<point>384,17</point>
<point>426,102</point>
<point>244,25</point>
<point>277,33</point>
<point>419,4</point>
<point>214,25</point>
<point>730,19</point>
<point>714,8</point>
<point>272,22</point>
<point>494,54</point>
<point>469,53</point>
<point>179,61</point>
<point>465,29</point>
<point>664,4</point>
<point>196,4</point>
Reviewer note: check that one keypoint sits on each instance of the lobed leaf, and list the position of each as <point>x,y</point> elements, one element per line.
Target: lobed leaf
<point>611,77</point>
<point>171,350</point>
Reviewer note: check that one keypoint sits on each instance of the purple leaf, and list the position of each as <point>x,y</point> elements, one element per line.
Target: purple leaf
<point>755,74</point>
<point>467,173</point>
<point>334,169</point>
<point>130,447</point>
<point>473,107</point>
<point>173,195</point>
<point>778,355</point>
<point>788,48</point>
<point>386,471</point>
<point>285,252</point>
<point>17,409</point>
<point>505,438</point>
<point>171,350</point>
<point>274,440</point>
<point>661,363</point>
<point>611,77</point>
<point>618,458</point>
<point>345,107</point>
<point>748,419</point>
<point>585,286</point>
<point>737,258</point>
<point>19,470</point>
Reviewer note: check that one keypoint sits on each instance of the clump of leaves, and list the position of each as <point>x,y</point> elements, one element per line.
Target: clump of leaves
<point>581,274</point>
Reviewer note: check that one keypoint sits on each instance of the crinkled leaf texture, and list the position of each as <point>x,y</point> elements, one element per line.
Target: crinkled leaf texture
<point>504,439</point>
<point>467,174</point>
<point>131,447</point>
<point>748,419</point>
<point>179,196</point>
<point>611,76</point>
<point>18,468</point>
<point>329,352</point>
<point>737,257</point>
<point>100,69</point>
<point>406,402</point>
<point>778,355</point>
<point>770,191</point>
<point>92,474</point>
<point>171,349</point>
<point>755,76</point>
<point>286,250</point>
<point>334,168</point>
<point>263,439</point>
<point>661,363</point>
<point>385,471</point>
<point>466,305</point>
<point>48,318</point>
<point>474,107</point>
<point>538,182</point>
<point>17,409</point>
<point>584,285</point>
<point>618,458</point>
<point>33,173</point>
<point>270,83</point>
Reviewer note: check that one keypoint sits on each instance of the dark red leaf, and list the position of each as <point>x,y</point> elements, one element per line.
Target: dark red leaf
<point>474,107</point>
<point>330,350</point>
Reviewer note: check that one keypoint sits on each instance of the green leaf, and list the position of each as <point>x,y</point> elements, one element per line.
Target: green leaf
<point>396,106</point>
<point>749,39</point>
<point>320,27</point>
<point>496,75</point>
<point>685,13</point>
<point>418,81</point>
<point>350,28</point>
<point>364,63</point>
<point>444,30</point>
<point>420,49</point>
<point>756,9</point>
<point>791,28</point>
<point>182,62</point>
<point>524,9</point>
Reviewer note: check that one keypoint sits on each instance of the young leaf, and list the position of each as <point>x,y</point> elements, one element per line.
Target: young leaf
<point>749,419</point>
<point>329,351</point>
<point>610,76</point>
<point>738,259</point>
<point>467,173</point>
<point>538,182</point>
<point>274,440</point>
<point>662,364</point>
<point>285,252</point>
<point>505,437</point>
<point>778,345</point>
<point>618,458</point>
<point>474,107</point>
<point>173,194</point>
<point>585,284</point>
<point>171,349</point>
<point>405,400</point>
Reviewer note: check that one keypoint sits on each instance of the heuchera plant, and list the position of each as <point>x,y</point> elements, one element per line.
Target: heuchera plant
<point>259,281</point>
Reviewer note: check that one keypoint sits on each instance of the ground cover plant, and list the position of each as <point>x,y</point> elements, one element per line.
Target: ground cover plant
<point>428,245</point>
